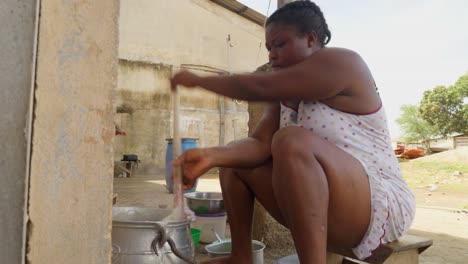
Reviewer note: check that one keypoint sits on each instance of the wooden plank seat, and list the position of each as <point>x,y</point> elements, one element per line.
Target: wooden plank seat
<point>404,251</point>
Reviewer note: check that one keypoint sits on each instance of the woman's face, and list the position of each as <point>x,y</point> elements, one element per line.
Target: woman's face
<point>286,47</point>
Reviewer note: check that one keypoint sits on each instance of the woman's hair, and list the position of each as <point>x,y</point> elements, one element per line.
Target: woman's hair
<point>306,16</point>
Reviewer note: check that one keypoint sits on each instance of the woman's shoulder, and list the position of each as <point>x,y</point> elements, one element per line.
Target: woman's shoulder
<point>338,50</point>
<point>339,53</point>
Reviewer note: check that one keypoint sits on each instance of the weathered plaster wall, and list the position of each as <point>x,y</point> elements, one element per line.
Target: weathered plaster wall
<point>189,32</point>
<point>156,38</point>
<point>72,165</point>
<point>144,111</point>
<point>17,20</point>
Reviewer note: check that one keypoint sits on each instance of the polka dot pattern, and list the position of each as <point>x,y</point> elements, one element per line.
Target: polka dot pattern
<point>366,138</point>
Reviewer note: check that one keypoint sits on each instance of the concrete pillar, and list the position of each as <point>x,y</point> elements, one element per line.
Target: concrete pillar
<point>17,20</point>
<point>72,161</point>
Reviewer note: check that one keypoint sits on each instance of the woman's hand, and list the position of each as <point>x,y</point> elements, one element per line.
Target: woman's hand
<point>195,162</point>
<point>185,78</point>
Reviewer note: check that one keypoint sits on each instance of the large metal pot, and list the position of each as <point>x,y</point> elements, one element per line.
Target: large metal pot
<point>140,236</point>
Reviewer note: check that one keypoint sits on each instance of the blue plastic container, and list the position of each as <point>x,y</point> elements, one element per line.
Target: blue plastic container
<point>187,143</point>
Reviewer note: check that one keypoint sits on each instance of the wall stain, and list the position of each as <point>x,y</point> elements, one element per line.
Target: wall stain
<point>91,140</point>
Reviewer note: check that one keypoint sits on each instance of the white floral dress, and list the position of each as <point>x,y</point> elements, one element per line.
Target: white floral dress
<point>366,138</point>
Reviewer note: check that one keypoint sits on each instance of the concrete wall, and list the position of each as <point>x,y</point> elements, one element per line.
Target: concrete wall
<point>144,111</point>
<point>189,32</point>
<point>17,18</point>
<point>446,143</point>
<point>71,168</point>
<point>156,39</point>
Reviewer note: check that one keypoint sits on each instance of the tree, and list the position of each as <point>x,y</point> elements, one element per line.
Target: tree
<point>445,107</point>
<point>414,127</point>
<point>462,86</point>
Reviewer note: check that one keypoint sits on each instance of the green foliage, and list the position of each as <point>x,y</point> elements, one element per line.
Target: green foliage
<point>415,128</point>
<point>445,109</point>
<point>462,86</point>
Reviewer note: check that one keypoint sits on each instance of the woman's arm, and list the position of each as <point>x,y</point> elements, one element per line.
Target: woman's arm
<point>251,151</point>
<point>247,152</point>
<point>325,74</point>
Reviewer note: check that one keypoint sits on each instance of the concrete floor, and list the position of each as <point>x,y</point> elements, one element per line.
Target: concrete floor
<point>150,191</point>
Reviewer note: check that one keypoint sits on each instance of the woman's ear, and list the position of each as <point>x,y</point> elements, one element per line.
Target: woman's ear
<point>312,39</point>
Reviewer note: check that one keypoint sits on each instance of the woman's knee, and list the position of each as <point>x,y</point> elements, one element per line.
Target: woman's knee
<point>250,177</point>
<point>293,142</point>
<point>228,175</point>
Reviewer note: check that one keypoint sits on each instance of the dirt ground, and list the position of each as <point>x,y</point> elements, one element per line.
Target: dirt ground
<point>440,214</point>
<point>449,231</point>
<point>440,199</point>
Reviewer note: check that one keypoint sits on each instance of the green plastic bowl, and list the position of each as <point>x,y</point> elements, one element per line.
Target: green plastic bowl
<point>195,235</point>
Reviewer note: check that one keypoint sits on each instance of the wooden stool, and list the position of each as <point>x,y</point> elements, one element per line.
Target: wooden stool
<point>404,251</point>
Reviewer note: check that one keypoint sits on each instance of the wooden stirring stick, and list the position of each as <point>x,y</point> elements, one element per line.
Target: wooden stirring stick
<point>178,211</point>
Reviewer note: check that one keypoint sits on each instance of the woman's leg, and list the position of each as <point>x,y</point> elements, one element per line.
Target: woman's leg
<point>317,190</point>
<point>239,187</point>
<point>322,192</point>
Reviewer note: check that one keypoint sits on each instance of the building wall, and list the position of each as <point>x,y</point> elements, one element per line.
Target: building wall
<point>460,141</point>
<point>71,166</point>
<point>158,38</point>
<point>17,19</point>
<point>189,32</point>
<point>444,143</point>
<point>144,111</point>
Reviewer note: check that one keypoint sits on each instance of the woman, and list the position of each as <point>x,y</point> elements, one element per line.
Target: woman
<point>321,161</point>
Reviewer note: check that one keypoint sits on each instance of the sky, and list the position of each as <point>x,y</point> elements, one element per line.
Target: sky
<point>410,46</point>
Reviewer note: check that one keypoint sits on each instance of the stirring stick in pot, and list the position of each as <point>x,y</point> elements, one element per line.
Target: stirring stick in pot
<point>178,211</point>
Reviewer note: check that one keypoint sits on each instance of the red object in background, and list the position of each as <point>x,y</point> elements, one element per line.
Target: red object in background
<point>399,149</point>
<point>408,153</point>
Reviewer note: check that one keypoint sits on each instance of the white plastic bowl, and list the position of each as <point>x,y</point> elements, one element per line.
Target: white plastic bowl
<point>223,248</point>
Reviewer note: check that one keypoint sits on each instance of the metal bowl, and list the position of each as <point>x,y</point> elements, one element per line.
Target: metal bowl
<point>205,202</point>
